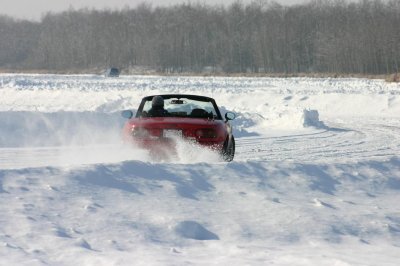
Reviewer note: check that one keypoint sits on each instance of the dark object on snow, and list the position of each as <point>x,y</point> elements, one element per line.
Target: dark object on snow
<point>112,72</point>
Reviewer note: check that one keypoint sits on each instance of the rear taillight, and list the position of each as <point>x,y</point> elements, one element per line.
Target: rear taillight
<point>206,133</point>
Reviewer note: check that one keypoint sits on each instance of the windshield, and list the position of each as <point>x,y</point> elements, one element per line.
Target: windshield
<point>184,107</point>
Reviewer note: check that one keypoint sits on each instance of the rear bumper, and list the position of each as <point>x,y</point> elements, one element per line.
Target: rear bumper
<point>162,143</point>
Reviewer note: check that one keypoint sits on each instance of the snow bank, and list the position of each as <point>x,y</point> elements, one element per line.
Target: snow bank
<point>331,97</point>
<point>237,213</point>
<point>277,119</point>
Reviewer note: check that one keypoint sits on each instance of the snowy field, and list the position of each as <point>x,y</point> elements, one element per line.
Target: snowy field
<point>315,180</point>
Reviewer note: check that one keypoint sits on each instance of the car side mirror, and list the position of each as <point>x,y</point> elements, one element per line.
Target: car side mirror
<point>229,116</point>
<point>127,114</point>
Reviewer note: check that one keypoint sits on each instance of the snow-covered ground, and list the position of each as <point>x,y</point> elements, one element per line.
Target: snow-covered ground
<point>315,181</point>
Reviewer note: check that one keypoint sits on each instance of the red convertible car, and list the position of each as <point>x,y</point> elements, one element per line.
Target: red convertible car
<point>161,119</point>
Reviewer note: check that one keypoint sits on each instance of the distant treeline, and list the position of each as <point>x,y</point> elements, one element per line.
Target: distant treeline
<point>319,36</point>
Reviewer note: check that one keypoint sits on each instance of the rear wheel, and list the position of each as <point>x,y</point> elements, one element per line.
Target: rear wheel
<point>228,150</point>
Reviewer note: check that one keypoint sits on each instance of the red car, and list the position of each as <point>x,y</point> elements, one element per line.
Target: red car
<point>161,119</point>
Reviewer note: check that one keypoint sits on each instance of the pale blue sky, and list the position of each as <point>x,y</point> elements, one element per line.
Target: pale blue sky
<point>33,9</point>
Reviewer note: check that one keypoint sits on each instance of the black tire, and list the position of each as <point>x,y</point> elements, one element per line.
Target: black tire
<point>228,150</point>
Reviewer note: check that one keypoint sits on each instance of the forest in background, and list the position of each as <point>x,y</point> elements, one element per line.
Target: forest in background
<point>262,37</point>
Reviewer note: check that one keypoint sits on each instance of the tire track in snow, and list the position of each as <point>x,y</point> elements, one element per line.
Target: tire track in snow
<point>360,140</point>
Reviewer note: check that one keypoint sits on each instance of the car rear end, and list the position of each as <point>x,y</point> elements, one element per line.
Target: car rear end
<point>165,132</point>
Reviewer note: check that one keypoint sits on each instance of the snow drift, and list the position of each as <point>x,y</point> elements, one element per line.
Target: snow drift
<point>233,213</point>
